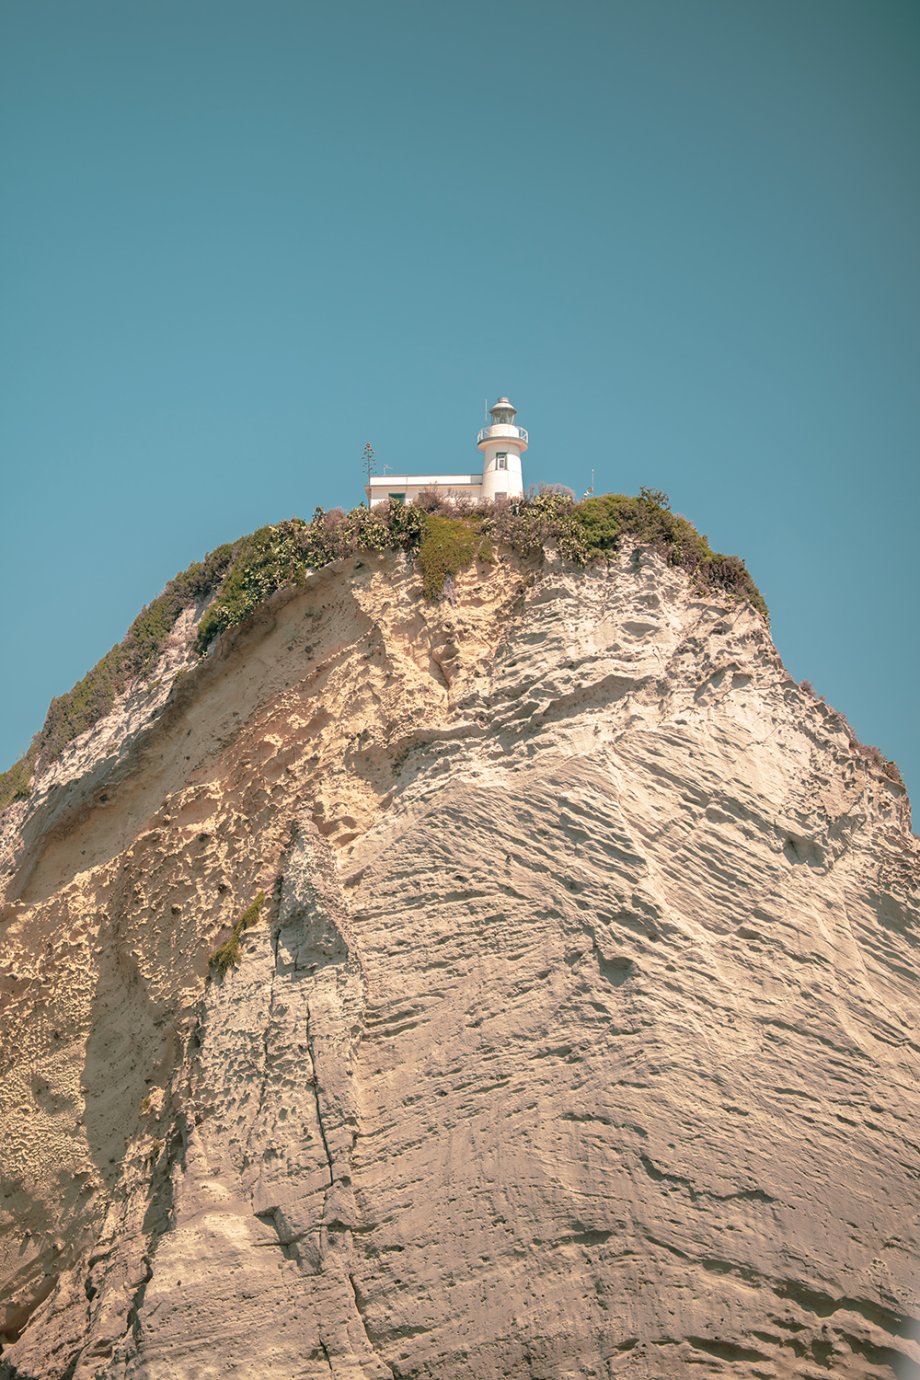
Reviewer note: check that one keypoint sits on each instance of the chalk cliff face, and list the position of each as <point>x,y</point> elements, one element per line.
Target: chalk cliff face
<point>577,1035</point>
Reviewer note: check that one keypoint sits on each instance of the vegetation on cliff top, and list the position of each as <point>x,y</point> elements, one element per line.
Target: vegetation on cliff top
<point>446,538</point>
<point>91,698</point>
<point>284,554</point>
<point>235,579</point>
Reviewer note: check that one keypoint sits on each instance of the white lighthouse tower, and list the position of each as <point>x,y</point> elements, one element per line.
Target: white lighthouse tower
<point>502,445</point>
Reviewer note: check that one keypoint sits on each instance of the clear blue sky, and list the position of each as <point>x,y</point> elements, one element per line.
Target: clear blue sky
<point>240,239</point>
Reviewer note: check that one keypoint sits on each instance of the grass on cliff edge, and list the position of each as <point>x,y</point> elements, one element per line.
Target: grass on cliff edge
<point>235,579</point>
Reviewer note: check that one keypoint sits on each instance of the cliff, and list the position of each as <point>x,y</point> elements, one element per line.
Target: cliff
<point>575,1034</point>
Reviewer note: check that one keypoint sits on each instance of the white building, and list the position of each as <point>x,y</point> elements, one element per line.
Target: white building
<point>502,444</point>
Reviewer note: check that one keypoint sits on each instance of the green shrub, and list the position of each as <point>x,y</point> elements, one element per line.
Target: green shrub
<point>449,544</point>
<point>600,523</point>
<point>648,519</point>
<point>230,952</point>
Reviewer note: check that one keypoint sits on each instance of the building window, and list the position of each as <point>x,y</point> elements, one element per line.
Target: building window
<point>501,460</point>
<point>396,498</point>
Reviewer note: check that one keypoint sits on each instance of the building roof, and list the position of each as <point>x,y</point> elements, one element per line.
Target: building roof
<point>389,481</point>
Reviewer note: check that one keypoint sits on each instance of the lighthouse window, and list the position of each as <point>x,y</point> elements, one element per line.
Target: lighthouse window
<point>501,460</point>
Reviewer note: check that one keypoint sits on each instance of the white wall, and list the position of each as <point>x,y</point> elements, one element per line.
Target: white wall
<point>411,491</point>
<point>496,482</point>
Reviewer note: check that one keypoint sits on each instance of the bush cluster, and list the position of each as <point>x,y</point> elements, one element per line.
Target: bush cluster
<point>596,527</point>
<point>284,554</point>
<point>604,521</point>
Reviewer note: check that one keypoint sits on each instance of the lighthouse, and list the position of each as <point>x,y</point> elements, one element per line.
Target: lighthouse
<point>502,445</point>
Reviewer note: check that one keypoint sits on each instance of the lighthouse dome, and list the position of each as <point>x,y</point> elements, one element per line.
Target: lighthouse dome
<point>503,412</point>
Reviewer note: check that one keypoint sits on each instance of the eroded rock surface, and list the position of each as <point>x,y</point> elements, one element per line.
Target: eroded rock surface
<point>577,1035</point>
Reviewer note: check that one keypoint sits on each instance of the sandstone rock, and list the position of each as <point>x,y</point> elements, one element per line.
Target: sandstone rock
<point>577,1036</point>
